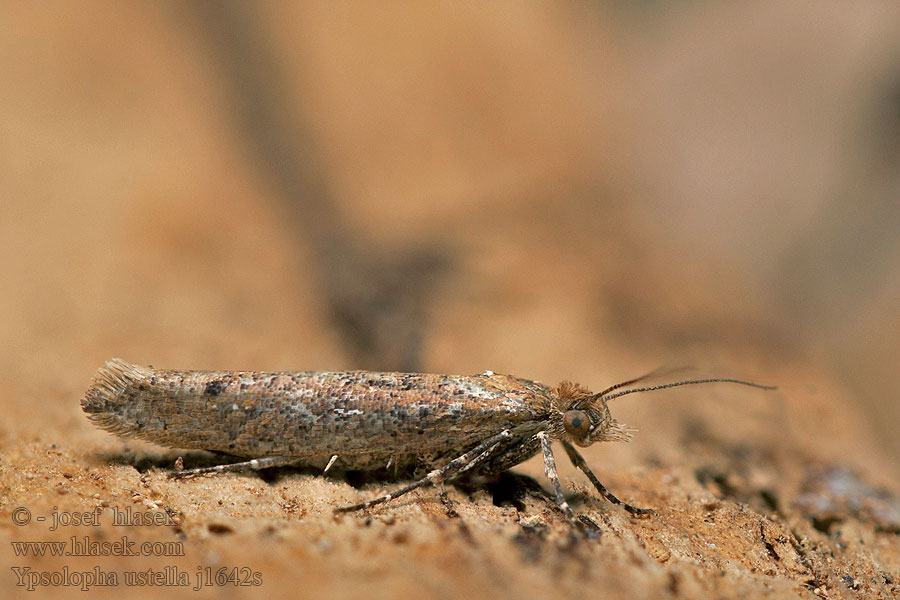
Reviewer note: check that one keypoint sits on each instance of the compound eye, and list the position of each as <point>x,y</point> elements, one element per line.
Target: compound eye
<point>577,423</point>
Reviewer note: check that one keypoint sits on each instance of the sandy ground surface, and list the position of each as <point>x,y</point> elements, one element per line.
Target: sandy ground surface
<point>139,222</point>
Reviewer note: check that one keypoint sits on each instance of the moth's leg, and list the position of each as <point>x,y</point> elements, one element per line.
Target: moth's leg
<point>523,446</point>
<point>466,461</point>
<point>550,471</point>
<point>330,464</point>
<point>256,464</point>
<point>579,462</point>
<point>478,460</point>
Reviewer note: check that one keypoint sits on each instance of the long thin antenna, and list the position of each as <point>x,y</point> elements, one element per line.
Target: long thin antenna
<point>629,382</point>
<point>686,382</point>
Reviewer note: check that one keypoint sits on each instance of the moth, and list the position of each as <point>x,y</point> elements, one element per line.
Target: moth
<point>448,425</point>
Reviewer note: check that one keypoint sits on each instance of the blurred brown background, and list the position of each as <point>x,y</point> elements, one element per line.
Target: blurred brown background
<point>579,191</point>
<point>556,190</point>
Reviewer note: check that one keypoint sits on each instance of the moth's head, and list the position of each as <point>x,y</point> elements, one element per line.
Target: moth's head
<point>583,418</point>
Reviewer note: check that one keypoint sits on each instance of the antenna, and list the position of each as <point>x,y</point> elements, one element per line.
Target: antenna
<point>606,396</point>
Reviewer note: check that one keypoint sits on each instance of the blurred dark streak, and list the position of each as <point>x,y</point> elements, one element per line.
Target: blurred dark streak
<point>842,262</point>
<point>377,298</point>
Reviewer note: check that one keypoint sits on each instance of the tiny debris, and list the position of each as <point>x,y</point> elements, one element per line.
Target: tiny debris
<point>850,582</point>
<point>219,528</point>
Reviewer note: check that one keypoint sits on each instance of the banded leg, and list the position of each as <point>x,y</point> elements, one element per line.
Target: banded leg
<point>491,451</point>
<point>579,462</point>
<point>256,464</point>
<point>461,463</point>
<point>550,471</point>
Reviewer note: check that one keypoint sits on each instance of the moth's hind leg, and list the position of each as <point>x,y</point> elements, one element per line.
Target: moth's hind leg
<point>256,464</point>
<point>457,466</point>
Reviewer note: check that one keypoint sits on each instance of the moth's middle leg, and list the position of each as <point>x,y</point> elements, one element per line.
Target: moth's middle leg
<point>550,471</point>
<point>458,465</point>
